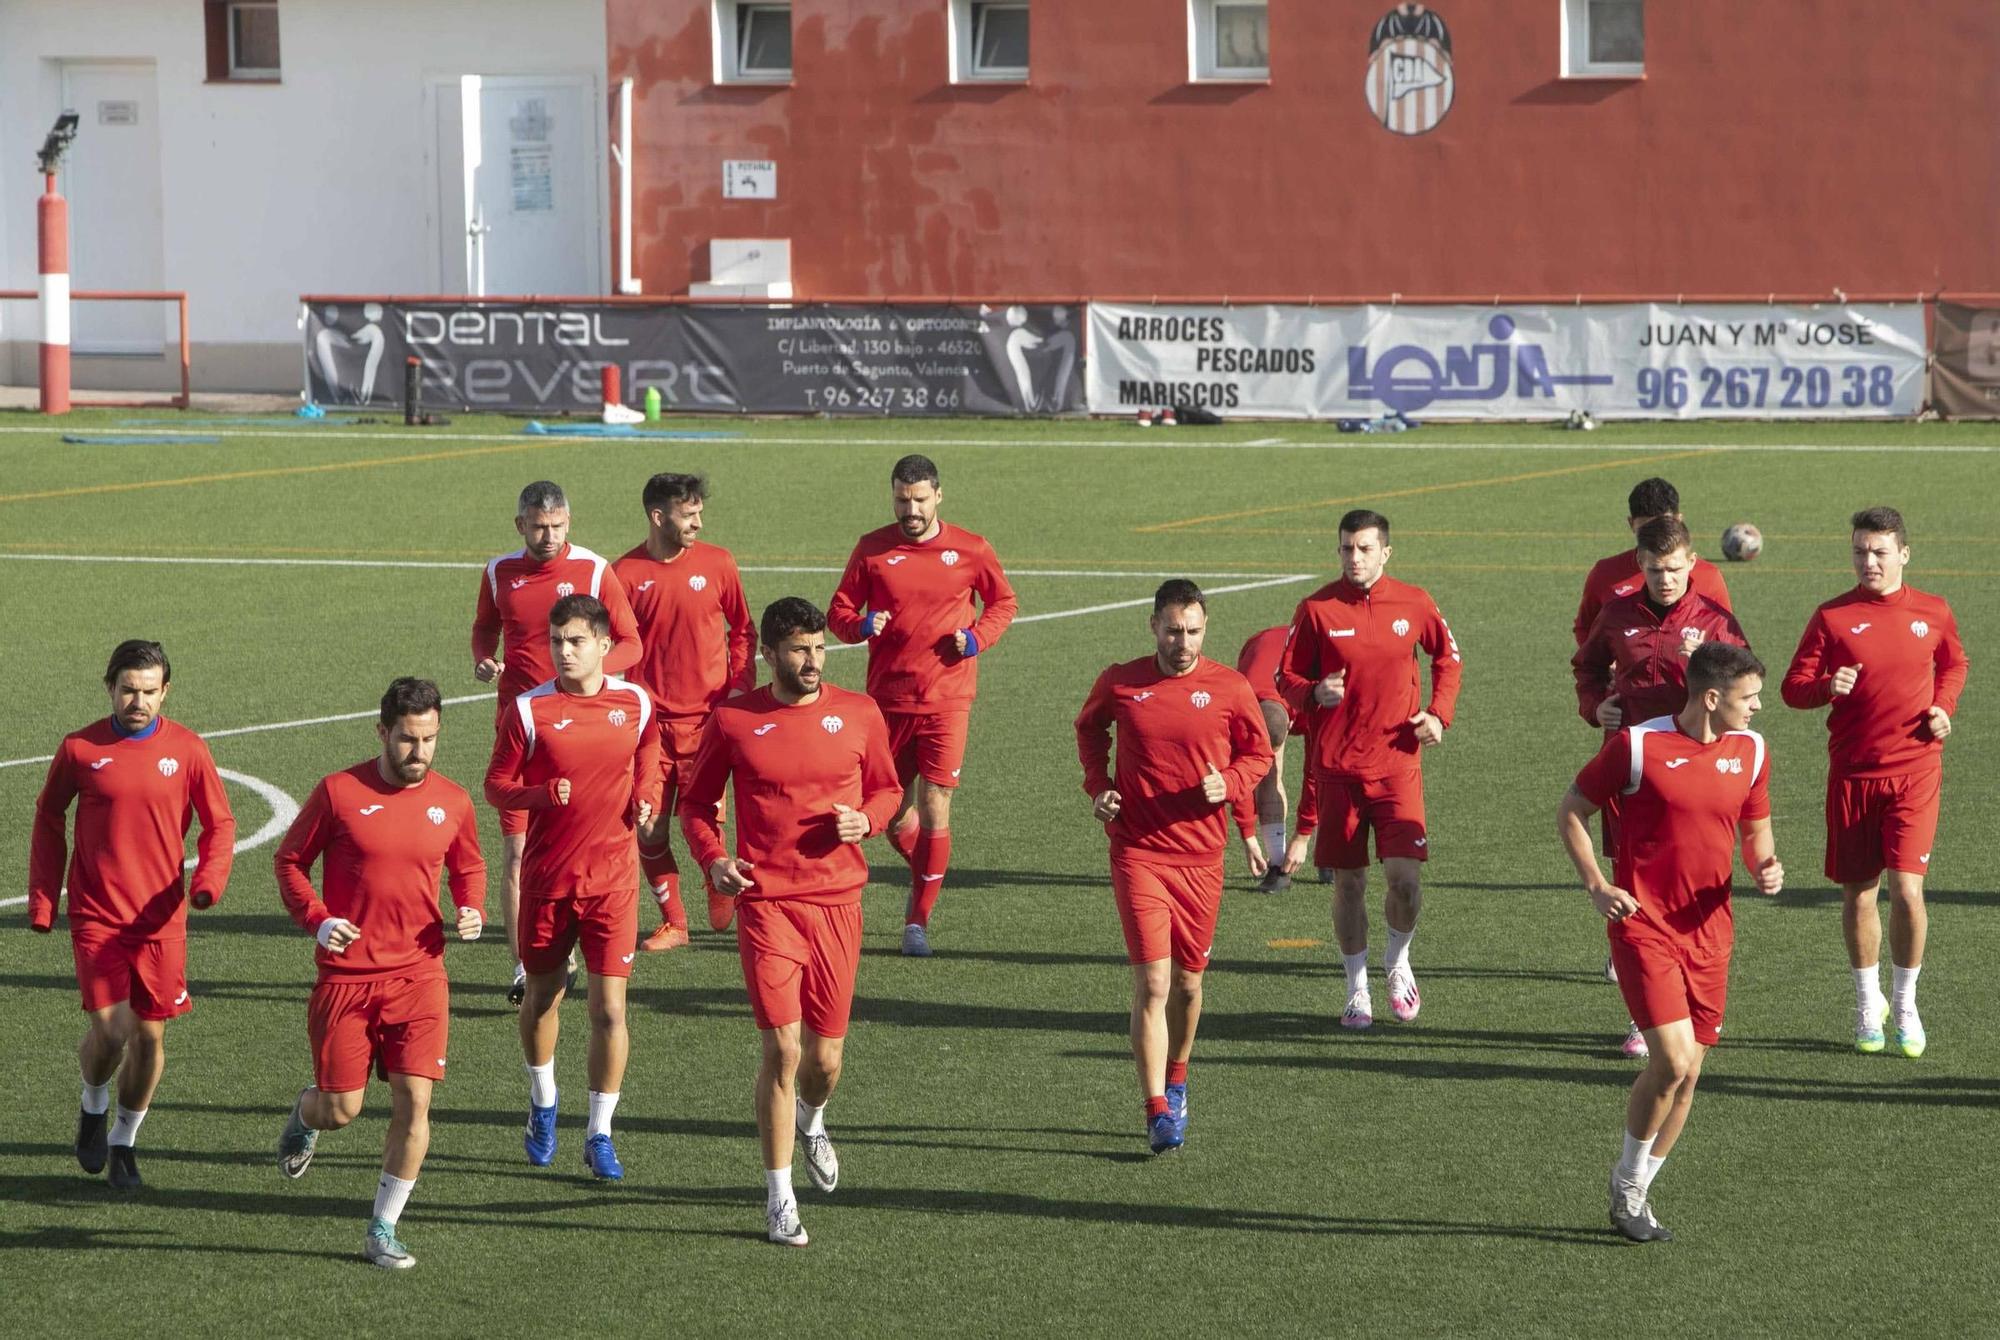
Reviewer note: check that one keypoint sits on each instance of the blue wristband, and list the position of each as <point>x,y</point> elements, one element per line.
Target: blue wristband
<point>971,644</point>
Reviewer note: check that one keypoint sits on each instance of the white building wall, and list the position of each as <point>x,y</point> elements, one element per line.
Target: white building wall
<point>324,182</point>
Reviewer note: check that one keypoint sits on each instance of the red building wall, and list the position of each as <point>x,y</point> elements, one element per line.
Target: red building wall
<point>1789,145</point>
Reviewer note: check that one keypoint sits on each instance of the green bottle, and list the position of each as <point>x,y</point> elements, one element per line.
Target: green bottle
<point>652,404</point>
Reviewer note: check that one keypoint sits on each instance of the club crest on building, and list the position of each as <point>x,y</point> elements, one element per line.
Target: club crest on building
<point>436,815</point>
<point>1409,81</point>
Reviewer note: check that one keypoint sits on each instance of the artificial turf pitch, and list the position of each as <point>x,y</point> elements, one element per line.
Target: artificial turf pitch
<point>1442,1177</point>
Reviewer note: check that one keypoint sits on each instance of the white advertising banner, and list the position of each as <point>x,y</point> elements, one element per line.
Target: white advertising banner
<point>1616,360</point>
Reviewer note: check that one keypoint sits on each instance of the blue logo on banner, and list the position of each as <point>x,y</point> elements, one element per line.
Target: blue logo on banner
<point>1406,377</point>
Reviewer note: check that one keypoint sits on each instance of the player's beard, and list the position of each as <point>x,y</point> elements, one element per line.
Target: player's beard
<point>794,681</point>
<point>409,771</point>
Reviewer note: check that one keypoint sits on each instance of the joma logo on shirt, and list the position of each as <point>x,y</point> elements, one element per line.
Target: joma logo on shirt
<point>646,585</point>
<point>1860,628</point>
<point>517,583</point>
<point>1625,589</point>
<point>894,559</point>
<point>99,764</point>
<point>766,728</point>
<point>1673,763</point>
<point>370,809</point>
<point>436,815</point>
<point>563,724</point>
<point>169,766</point>
<point>1141,697</point>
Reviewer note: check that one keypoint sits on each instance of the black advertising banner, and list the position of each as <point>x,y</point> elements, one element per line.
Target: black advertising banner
<point>807,358</point>
<point>1965,376</point>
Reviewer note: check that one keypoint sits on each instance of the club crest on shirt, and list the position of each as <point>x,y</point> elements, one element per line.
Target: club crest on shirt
<point>1734,765</point>
<point>616,716</point>
<point>169,766</point>
<point>831,725</point>
<point>948,557</point>
<point>1200,698</point>
<point>697,583</point>
<point>565,588</point>
<point>436,815</point>
<point>1920,628</point>
<point>1401,627</point>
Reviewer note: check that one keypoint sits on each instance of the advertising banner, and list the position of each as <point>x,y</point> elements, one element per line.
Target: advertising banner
<point>805,358</point>
<point>1626,360</point>
<point>1965,382</point>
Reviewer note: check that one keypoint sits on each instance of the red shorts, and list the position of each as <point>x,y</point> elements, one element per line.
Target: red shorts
<point>799,961</point>
<point>398,1024</point>
<point>606,925</point>
<point>1349,806</point>
<point>679,738</point>
<point>931,746</point>
<point>1664,981</point>
<point>112,967</point>
<point>1880,823</point>
<point>1168,911</point>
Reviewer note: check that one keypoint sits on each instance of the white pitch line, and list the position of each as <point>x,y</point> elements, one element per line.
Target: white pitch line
<point>173,560</point>
<point>1352,443</point>
<point>832,646</point>
<point>283,810</point>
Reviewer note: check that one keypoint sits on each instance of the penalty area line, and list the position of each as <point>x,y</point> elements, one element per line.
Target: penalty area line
<point>301,722</point>
<point>760,569</point>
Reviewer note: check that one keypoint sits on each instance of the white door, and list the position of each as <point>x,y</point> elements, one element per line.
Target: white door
<point>111,177</point>
<point>520,177</point>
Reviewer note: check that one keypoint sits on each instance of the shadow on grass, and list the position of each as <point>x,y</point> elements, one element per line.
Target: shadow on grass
<point>997,879</point>
<point>69,1239</point>
<point>1113,960</point>
<point>1830,896</point>
<point>933,1201</point>
<point>981,1139</point>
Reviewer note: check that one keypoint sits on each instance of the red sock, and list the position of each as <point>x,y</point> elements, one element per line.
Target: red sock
<point>663,877</point>
<point>927,866</point>
<point>1177,1072</point>
<point>1156,1107</point>
<point>903,837</point>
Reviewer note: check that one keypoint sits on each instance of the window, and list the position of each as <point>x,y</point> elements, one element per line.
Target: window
<point>1604,37</point>
<point>989,41</point>
<point>753,42</point>
<point>242,40</point>
<point>1229,39</point>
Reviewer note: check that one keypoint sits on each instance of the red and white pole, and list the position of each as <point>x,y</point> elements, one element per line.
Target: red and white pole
<point>52,218</point>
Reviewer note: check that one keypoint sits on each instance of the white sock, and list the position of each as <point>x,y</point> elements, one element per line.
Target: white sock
<point>1357,971</point>
<point>391,1195</point>
<point>125,1130</point>
<point>778,1186</point>
<point>1274,842</point>
<point>811,1120</point>
<point>542,1085</point>
<point>1398,953</point>
<point>1868,987</point>
<point>302,1108</point>
<point>602,1105</point>
<point>1632,1163</point>
<point>1650,1170</point>
<point>1903,986</point>
<point>96,1098</point>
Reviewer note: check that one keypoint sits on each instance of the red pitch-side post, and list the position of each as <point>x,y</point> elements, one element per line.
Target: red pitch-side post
<point>52,220</point>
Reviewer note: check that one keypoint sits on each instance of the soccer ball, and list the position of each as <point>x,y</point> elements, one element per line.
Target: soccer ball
<point>1742,542</point>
